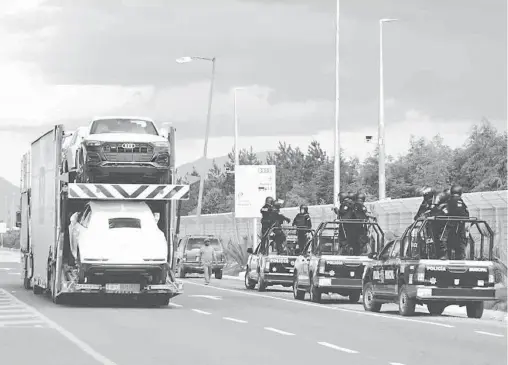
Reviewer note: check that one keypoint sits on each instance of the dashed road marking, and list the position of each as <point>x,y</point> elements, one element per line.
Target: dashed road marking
<point>83,346</point>
<point>326,344</point>
<point>212,297</point>
<point>279,331</point>
<point>14,273</point>
<point>396,363</point>
<point>175,305</point>
<point>201,312</point>
<point>234,320</point>
<point>489,334</point>
<point>396,318</point>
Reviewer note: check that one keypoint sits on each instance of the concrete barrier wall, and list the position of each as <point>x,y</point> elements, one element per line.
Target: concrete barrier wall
<point>392,215</point>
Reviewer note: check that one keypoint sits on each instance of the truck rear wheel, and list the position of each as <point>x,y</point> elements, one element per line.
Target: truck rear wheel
<point>407,305</point>
<point>369,303</point>
<point>249,284</point>
<point>37,290</point>
<point>315,293</point>
<point>474,310</point>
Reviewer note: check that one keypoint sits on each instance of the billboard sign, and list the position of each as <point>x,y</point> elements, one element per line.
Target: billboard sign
<point>253,184</point>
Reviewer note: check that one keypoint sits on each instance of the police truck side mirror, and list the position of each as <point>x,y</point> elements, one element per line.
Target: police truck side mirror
<point>249,250</point>
<point>372,255</point>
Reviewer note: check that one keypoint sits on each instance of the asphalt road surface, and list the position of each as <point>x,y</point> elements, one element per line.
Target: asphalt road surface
<point>223,323</point>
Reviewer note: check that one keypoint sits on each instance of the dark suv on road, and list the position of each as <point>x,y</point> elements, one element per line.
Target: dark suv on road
<point>408,272</point>
<point>187,255</point>
<point>123,149</point>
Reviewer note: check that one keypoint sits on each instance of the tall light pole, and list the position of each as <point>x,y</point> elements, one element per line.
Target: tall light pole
<point>207,132</point>
<point>381,126</point>
<point>336,152</point>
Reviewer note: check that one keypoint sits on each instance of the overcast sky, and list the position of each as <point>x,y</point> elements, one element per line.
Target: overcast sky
<point>66,61</point>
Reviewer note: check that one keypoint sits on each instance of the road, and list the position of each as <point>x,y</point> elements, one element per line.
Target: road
<point>223,323</point>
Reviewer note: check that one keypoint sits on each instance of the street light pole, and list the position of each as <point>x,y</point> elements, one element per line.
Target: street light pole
<point>237,151</point>
<point>207,132</point>
<point>336,175</point>
<point>381,126</point>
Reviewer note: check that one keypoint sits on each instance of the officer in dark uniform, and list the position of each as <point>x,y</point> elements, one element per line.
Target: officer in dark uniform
<point>342,197</point>
<point>266,215</point>
<point>302,220</point>
<point>438,209</point>
<point>278,219</point>
<point>360,212</point>
<point>426,205</point>
<point>455,232</point>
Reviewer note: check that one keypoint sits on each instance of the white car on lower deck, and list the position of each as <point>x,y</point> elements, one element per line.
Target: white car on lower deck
<point>119,248</point>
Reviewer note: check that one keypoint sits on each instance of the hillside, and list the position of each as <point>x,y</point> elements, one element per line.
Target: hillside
<point>9,196</point>
<point>207,164</point>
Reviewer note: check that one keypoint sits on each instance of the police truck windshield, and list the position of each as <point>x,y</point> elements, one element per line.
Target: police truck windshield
<point>197,243</point>
<point>101,126</point>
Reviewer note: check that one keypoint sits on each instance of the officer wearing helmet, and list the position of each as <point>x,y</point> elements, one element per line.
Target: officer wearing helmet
<point>266,215</point>
<point>337,210</point>
<point>277,219</point>
<point>426,205</point>
<point>360,212</point>
<point>439,209</point>
<point>455,231</point>
<point>302,220</point>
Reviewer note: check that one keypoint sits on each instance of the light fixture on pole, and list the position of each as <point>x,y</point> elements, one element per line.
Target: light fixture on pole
<point>381,126</point>
<point>208,119</point>
<point>336,152</point>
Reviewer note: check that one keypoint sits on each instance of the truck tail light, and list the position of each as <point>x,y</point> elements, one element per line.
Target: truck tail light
<point>492,276</point>
<point>321,266</point>
<point>267,265</point>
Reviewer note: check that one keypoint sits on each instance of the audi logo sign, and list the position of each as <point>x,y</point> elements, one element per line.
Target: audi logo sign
<point>128,146</point>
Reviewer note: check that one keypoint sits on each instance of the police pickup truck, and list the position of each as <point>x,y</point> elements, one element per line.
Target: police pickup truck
<point>273,261</point>
<point>408,272</point>
<point>333,260</point>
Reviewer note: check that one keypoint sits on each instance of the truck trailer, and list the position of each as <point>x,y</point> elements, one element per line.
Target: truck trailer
<point>51,205</point>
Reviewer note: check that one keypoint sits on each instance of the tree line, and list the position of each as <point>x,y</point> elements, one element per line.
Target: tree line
<point>306,177</point>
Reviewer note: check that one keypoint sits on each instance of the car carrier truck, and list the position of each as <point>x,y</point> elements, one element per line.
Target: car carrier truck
<point>50,206</point>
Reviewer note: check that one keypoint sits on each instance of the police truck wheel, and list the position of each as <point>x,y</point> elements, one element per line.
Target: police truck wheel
<point>249,284</point>
<point>474,310</point>
<point>218,274</point>
<point>315,294</point>
<point>369,304</point>
<point>262,284</point>
<point>436,308</point>
<point>354,297</point>
<point>297,293</point>
<point>407,305</point>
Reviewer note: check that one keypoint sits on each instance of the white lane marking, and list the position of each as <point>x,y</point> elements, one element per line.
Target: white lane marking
<point>25,315</point>
<point>324,306</point>
<point>326,344</point>
<point>175,305</point>
<point>489,334</point>
<point>212,297</point>
<point>234,320</point>
<point>68,335</point>
<point>14,273</point>
<point>396,363</point>
<point>5,269</point>
<point>279,331</point>
<point>19,310</point>
<point>200,311</point>
<point>21,323</point>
